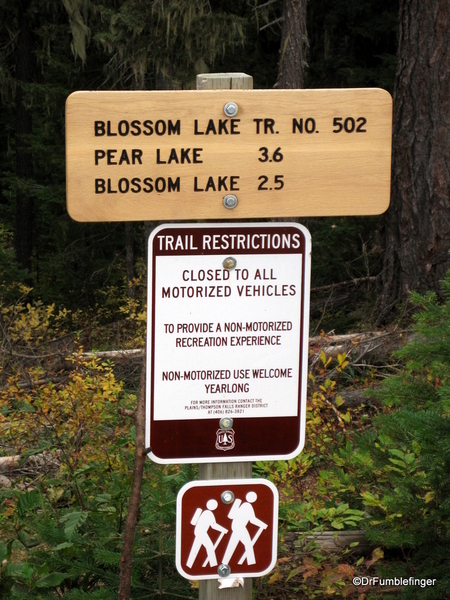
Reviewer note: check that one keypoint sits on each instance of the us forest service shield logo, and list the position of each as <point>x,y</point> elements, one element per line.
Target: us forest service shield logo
<point>225,439</point>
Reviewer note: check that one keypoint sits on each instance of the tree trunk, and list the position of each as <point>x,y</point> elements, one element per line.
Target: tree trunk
<point>415,231</point>
<point>126,560</point>
<point>23,234</point>
<point>129,259</point>
<point>294,42</point>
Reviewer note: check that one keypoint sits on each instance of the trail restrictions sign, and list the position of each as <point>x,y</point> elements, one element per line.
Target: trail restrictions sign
<point>226,528</point>
<point>227,351</point>
<point>141,155</point>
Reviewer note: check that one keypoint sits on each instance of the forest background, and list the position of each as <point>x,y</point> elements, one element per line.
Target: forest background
<point>67,287</point>
<point>51,49</point>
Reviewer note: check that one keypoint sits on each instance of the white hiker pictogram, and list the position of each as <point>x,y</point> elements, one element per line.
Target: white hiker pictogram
<point>241,514</point>
<point>203,520</point>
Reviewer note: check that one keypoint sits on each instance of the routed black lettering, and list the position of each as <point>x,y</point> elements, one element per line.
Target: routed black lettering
<point>135,128</point>
<point>99,155</point>
<point>136,185</point>
<point>99,128</point>
<point>124,185</point>
<point>234,180</point>
<point>136,156</point>
<point>210,185</point>
<point>210,128</point>
<point>173,186</point>
<point>100,186</point>
<point>174,128</point>
<point>123,128</point>
<point>223,126</point>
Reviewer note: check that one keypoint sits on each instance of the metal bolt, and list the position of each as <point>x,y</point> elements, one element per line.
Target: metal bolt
<point>229,263</point>
<point>226,423</point>
<point>230,109</point>
<point>223,570</point>
<point>230,201</point>
<point>227,497</point>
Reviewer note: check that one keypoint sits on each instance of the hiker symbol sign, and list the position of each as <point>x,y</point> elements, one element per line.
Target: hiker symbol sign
<point>226,528</point>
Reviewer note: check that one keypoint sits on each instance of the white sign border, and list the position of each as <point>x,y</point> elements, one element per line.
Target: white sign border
<point>303,371</point>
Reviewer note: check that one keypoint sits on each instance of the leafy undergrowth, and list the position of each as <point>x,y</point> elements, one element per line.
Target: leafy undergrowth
<point>312,498</point>
<point>62,520</point>
<point>65,422</point>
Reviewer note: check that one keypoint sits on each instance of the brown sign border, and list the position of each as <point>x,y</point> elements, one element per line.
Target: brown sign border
<point>256,438</point>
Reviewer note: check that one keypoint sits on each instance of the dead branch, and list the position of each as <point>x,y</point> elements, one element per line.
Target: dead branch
<point>343,284</point>
<point>358,345</point>
<point>337,339</point>
<point>336,412</point>
<point>265,4</point>
<point>330,541</point>
<point>271,23</point>
<point>23,385</point>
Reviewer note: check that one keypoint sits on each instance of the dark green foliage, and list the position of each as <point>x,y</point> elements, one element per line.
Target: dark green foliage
<point>402,467</point>
<point>352,43</point>
<point>169,41</point>
<point>259,54</point>
<point>11,276</point>
<point>78,550</point>
<point>342,248</point>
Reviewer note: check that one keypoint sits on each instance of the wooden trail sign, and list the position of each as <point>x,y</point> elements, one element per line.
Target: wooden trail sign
<point>142,155</point>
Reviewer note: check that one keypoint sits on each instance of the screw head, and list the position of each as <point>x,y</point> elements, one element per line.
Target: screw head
<point>230,201</point>
<point>229,263</point>
<point>227,497</point>
<point>226,423</point>
<point>231,109</point>
<point>223,570</point>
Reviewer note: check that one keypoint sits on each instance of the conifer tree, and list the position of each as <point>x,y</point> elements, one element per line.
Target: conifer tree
<point>170,41</point>
<point>403,465</point>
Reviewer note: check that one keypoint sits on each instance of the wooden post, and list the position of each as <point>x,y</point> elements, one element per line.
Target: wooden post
<point>209,589</point>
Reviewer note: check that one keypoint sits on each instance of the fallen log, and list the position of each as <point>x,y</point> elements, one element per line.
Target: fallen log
<point>117,354</point>
<point>36,462</point>
<point>330,541</point>
<point>9,463</point>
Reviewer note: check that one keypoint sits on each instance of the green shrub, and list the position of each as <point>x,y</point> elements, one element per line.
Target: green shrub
<point>401,467</point>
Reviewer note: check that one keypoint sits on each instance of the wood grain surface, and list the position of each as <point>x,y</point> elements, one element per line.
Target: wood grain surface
<point>175,155</point>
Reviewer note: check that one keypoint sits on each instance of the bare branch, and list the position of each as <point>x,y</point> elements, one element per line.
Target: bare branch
<point>271,23</point>
<point>126,560</point>
<point>324,288</point>
<point>265,4</point>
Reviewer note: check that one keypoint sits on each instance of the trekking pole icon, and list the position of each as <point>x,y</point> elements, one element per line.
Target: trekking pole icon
<point>219,539</point>
<point>241,514</point>
<point>253,542</point>
<point>203,520</point>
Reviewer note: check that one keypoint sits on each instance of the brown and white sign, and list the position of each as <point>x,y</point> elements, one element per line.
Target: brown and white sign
<point>226,529</point>
<point>228,316</point>
<point>135,156</point>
